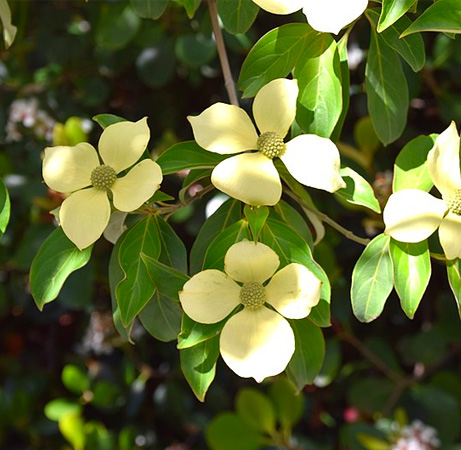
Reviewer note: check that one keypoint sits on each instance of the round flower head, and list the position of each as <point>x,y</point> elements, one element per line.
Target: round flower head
<point>252,177</point>
<point>327,16</point>
<point>257,341</point>
<point>412,215</point>
<point>77,171</point>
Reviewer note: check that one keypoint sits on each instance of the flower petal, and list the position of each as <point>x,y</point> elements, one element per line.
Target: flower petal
<point>123,143</point>
<point>449,235</point>
<point>209,296</point>
<point>443,161</point>
<point>257,344</point>
<point>412,215</point>
<point>293,291</point>
<point>331,16</point>
<point>274,107</point>
<point>247,261</point>
<point>84,215</point>
<point>224,129</point>
<point>250,177</point>
<point>314,161</point>
<point>280,6</point>
<point>68,169</point>
<point>137,186</point>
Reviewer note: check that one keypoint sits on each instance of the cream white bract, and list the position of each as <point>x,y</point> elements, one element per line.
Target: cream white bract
<point>412,215</point>
<point>77,171</point>
<point>256,341</point>
<point>327,16</point>
<point>251,176</point>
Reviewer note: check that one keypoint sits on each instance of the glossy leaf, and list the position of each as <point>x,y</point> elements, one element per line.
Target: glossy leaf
<point>75,379</point>
<point>192,333</point>
<point>387,90</point>
<point>187,155</point>
<point>190,6</point>
<point>372,279</point>
<point>288,403</point>
<point>454,278</point>
<point>227,214</point>
<point>256,410</point>
<point>393,10</point>
<point>149,9</point>
<point>357,191</point>
<point>4,208</point>
<point>161,317</point>
<point>256,217</point>
<point>136,289</point>
<point>412,271</point>
<point>59,407</point>
<point>56,259</point>
<point>173,253</point>
<point>410,48</point>
<point>195,50</point>
<point>104,120</point>
<point>71,427</point>
<point>318,72</point>
<point>410,169</point>
<point>309,353</point>
<point>443,16</point>
<point>274,56</point>
<point>237,16</point>
<point>198,364</point>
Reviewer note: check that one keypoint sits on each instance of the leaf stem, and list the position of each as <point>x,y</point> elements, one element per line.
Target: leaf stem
<point>223,59</point>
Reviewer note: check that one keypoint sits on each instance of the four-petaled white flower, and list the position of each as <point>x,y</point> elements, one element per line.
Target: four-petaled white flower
<point>327,16</point>
<point>85,213</point>
<point>251,176</point>
<point>256,341</point>
<point>412,215</point>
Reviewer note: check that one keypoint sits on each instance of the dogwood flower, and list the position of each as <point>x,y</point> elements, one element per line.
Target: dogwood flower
<point>327,16</point>
<point>252,177</point>
<point>85,213</point>
<point>257,341</point>
<point>412,215</point>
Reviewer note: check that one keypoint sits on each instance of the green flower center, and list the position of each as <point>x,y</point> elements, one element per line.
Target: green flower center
<point>271,144</point>
<point>453,202</point>
<point>103,177</point>
<point>253,295</point>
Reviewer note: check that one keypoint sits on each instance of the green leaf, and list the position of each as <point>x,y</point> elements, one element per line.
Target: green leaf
<point>174,253</point>
<point>331,364</point>
<point>149,9</point>
<point>75,379</point>
<point>56,259</point>
<point>443,16</point>
<point>227,214</point>
<point>195,50</point>
<point>410,168</point>
<point>229,432</point>
<point>71,427</point>
<point>117,25</point>
<point>116,275</point>
<point>256,216</point>
<point>237,16</point>
<point>136,289</point>
<point>161,317</point>
<point>104,120</point>
<point>60,407</point>
<point>410,48</point>
<point>288,403</point>
<point>167,280</point>
<point>292,248</point>
<point>198,364</point>
<point>190,6</point>
<point>387,90</point>
<point>318,71</point>
<point>192,333</point>
<point>274,56</point>
<point>372,442</point>
<point>372,279</point>
<point>371,394</point>
<point>454,279</point>
<point>187,155</point>
<point>412,271</point>
<point>309,353</point>
<point>214,256</point>
<point>392,11</point>
<point>4,207</point>
<point>256,410</point>
<point>357,191</point>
